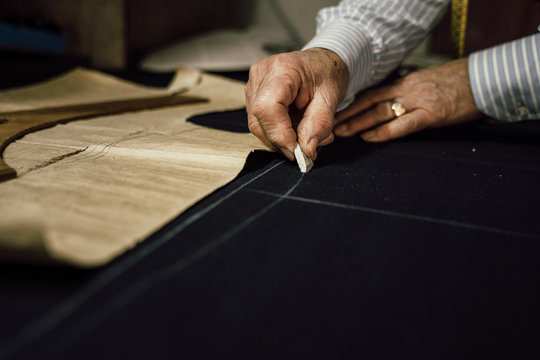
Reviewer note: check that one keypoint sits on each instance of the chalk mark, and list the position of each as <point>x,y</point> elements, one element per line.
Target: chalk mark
<point>402,215</point>
<point>34,331</point>
<point>144,284</point>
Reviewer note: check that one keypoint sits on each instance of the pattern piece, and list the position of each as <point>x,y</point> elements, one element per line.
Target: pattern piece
<point>89,190</point>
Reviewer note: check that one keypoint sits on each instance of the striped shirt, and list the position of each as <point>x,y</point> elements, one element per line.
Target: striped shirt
<point>373,36</point>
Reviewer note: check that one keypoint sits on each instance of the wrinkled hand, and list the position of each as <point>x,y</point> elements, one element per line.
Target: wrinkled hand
<point>432,97</point>
<point>311,84</point>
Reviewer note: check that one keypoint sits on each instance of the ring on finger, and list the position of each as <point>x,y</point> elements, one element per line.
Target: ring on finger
<point>397,109</point>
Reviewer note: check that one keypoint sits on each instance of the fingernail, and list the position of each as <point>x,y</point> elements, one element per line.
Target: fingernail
<point>312,148</point>
<point>288,153</point>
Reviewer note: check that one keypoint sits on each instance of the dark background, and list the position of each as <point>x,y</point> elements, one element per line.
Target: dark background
<point>114,34</point>
<point>423,247</point>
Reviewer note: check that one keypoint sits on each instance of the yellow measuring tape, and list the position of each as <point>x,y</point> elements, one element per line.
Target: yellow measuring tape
<point>459,26</point>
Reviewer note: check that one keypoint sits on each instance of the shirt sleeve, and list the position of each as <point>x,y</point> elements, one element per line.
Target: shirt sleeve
<point>373,36</point>
<point>505,79</point>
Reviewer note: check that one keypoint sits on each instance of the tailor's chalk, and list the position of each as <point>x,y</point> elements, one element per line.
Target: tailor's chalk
<point>304,163</point>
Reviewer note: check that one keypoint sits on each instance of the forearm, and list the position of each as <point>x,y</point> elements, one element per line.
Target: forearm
<point>505,80</point>
<point>373,37</point>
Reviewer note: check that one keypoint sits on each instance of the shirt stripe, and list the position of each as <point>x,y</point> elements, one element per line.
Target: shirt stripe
<point>507,78</point>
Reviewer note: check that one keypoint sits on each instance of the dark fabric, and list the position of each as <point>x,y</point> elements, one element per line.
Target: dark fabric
<point>422,247</point>
<point>235,121</point>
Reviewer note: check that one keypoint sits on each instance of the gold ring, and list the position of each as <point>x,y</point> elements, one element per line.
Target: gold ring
<point>398,109</point>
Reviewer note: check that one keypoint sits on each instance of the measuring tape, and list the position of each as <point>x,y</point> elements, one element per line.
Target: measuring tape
<point>459,26</point>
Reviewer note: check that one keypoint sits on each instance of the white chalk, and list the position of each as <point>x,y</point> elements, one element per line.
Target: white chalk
<point>304,163</point>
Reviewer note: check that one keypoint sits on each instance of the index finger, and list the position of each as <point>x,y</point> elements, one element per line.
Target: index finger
<point>270,106</point>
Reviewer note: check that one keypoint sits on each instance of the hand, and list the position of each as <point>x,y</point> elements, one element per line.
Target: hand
<point>432,97</point>
<point>311,83</point>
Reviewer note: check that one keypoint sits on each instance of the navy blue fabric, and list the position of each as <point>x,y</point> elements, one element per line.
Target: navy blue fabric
<point>234,121</point>
<point>421,247</point>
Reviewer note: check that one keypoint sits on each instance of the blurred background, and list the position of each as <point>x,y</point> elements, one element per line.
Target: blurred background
<point>114,34</point>
<point>214,35</point>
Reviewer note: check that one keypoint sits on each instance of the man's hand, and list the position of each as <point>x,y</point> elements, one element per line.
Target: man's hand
<point>432,97</point>
<point>311,84</point>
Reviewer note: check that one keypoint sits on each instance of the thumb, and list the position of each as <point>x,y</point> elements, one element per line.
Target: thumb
<point>316,126</point>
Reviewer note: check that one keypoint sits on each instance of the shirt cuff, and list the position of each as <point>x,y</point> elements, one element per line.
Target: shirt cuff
<point>354,47</point>
<point>503,80</point>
